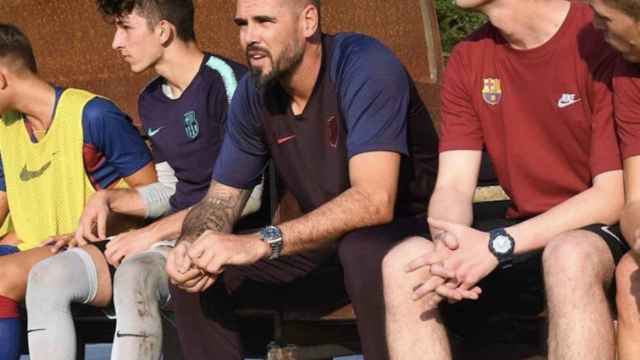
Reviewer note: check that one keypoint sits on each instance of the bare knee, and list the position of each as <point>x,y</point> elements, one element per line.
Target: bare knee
<point>577,257</point>
<point>395,262</point>
<point>400,284</point>
<point>396,279</point>
<point>13,279</point>
<point>627,274</point>
<point>627,286</point>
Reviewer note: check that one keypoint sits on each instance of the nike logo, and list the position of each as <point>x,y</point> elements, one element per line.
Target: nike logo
<point>567,100</point>
<point>26,175</point>
<point>35,330</point>
<point>153,131</point>
<point>606,229</point>
<point>285,139</point>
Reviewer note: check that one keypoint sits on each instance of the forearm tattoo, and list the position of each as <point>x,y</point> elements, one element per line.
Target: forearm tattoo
<point>218,211</point>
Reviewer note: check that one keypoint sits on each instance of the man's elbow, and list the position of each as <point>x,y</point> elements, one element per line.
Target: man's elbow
<point>383,204</point>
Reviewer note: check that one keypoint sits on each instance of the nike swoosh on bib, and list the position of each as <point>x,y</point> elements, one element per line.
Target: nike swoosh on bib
<point>26,175</point>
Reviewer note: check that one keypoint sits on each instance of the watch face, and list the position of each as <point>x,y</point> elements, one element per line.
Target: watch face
<point>271,233</point>
<point>501,244</point>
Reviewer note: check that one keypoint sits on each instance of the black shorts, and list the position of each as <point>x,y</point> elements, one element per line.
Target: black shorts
<point>514,297</point>
<point>611,235</point>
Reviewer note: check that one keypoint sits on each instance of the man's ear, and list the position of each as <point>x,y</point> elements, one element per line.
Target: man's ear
<point>165,31</point>
<point>310,18</point>
<point>4,79</point>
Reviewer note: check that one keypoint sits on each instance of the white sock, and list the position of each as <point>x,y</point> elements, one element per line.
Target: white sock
<point>140,288</point>
<point>54,284</point>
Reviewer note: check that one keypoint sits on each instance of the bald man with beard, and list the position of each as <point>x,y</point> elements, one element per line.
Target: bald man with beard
<point>350,138</point>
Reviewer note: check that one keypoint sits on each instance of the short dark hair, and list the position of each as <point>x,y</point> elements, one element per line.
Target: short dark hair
<point>315,3</point>
<point>630,7</point>
<point>177,12</point>
<point>15,46</point>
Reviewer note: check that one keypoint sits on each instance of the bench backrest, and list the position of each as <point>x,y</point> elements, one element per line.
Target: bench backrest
<point>73,43</point>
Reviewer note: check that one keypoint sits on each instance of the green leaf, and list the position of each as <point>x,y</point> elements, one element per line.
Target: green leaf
<point>455,23</point>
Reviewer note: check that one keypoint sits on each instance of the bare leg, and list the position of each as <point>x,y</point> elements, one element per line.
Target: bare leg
<point>578,267</point>
<point>412,327</point>
<point>628,304</point>
<point>14,271</point>
<point>104,293</point>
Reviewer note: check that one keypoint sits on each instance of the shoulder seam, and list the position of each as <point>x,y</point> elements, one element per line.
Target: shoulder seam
<point>226,73</point>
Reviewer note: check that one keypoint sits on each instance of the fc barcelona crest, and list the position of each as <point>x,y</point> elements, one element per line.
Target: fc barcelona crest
<point>191,124</point>
<point>492,91</point>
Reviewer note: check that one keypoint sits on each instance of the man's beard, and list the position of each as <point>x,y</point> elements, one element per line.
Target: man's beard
<point>282,68</point>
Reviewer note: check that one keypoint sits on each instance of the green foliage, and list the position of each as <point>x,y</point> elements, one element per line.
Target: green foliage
<point>455,24</point>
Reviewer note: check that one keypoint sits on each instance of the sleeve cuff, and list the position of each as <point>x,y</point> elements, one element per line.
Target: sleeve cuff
<point>356,150</point>
<point>460,146</point>
<point>236,184</point>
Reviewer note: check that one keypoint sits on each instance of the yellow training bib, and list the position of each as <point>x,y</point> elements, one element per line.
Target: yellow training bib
<point>47,185</point>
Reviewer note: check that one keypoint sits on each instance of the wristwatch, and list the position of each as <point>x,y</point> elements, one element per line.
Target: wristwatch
<point>501,245</point>
<point>272,236</point>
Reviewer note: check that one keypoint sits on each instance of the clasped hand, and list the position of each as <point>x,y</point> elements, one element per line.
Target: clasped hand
<point>194,267</point>
<point>460,259</point>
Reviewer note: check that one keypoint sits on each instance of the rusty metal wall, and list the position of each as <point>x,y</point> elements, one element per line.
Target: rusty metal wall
<point>73,44</point>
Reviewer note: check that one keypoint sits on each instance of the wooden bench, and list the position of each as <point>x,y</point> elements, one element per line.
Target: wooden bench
<point>314,333</point>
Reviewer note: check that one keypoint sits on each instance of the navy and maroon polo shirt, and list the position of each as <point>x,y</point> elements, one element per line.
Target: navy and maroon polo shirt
<point>187,132</point>
<point>363,101</point>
